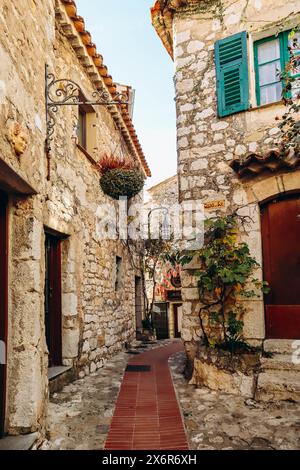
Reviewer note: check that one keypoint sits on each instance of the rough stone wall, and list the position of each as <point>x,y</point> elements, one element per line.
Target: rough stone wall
<point>102,319</point>
<point>23,54</point>
<point>97,321</point>
<point>206,143</point>
<point>165,192</point>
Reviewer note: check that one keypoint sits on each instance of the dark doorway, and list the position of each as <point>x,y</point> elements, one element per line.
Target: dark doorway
<point>53,315</point>
<point>138,304</point>
<point>177,320</point>
<point>3,304</point>
<point>160,320</point>
<point>281,259</point>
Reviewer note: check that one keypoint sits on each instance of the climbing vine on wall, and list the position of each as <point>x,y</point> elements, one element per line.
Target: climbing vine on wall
<point>225,278</point>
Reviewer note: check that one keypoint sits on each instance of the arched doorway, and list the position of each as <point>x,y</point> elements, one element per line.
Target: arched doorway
<point>280,222</point>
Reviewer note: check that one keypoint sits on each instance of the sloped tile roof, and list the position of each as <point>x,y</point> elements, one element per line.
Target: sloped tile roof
<point>163,25</point>
<point>272,161</point>
<point>78,21</point>
<point>162,19</point>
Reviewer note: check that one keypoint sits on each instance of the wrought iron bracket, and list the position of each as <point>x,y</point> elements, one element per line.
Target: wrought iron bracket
<point>66,92</point>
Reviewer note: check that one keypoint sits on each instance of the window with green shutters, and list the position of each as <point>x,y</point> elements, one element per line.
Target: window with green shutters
<point>232,74</point>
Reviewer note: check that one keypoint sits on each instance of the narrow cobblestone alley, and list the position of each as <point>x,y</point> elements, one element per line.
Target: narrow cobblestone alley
<point>98,411</point>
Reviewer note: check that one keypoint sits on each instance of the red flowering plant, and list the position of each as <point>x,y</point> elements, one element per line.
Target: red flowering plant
<point>112,162</point>
<point>120,177</point>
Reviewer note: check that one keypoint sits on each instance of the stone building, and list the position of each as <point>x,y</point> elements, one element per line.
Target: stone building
<point>68,296</point>
<point>168,302</point>
<point>227,57</point>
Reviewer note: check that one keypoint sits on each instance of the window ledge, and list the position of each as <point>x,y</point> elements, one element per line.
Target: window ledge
<point>263,106</point>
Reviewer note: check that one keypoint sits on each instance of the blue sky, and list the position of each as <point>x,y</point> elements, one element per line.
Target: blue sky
<point>135,56</point>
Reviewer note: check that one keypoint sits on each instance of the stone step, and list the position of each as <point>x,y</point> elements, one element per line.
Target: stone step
<point>280,362</point>
<point>278,385</point>
<point>280,346</point>
<point>21,442</point>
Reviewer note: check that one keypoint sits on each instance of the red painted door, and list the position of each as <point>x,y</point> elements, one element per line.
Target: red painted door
<point>281,258</point>
<point>53,320</point>
<point>3,304</point>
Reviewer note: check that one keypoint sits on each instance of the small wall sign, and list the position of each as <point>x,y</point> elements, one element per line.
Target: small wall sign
<point>213,205</point>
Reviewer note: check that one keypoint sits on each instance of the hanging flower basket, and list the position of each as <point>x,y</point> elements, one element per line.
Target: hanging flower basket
<point>120,183</point>
<point>120,178</point>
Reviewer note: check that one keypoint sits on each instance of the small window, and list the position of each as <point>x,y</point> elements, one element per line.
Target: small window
<point>271,55</point>
<point>268,69</point>
<point>118,278</point>
<point>81,128</point>
<point>86,126</point>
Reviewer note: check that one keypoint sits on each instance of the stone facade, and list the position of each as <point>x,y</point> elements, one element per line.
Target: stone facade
<point>163,193</point>
<point>208,143</point>
<point>62,195</point>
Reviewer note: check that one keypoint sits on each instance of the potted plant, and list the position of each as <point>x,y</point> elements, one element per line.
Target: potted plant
<point>120,177</point>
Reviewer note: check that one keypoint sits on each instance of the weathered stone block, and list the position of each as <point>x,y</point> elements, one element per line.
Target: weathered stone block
<point>266,188</point>
<point>254,319</point>
<point>70,343</point>
<point>278,385</point>
<point>190,293</point>
<point>291,181</point>
<point>216,378</point>
<point>185,85</point>
<point>101,339</point>
<point>195,46</point>
<point>69,304</point>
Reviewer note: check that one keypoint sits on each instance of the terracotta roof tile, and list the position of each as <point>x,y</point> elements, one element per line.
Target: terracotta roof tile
<point>79,24</point>
<point>272,161</point>
<point>162,19</point>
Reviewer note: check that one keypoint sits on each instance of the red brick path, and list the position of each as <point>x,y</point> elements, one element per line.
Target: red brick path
<point>147,415</point>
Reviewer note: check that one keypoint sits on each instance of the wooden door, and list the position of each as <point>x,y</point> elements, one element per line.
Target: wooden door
<point>160,320</point>
<point>177,320</point>
<point>3,304</point>
<point>281,259</point>
<point>53,316</point>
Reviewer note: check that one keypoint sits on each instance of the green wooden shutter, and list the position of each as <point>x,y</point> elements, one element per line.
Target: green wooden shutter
<point>232,74</point>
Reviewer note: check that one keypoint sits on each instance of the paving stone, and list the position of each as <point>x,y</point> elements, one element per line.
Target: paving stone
<point>80,414</point>
<point>218,421</point>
